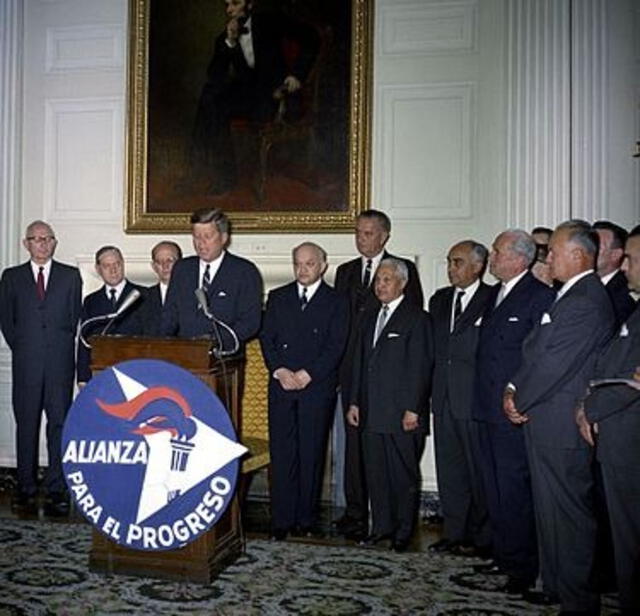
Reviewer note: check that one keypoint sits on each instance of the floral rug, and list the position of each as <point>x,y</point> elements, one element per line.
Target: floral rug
<point>43,571</point>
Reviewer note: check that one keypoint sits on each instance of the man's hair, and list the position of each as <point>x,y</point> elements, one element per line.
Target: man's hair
<point>542,230</point>
<point>619,234</point>
<point>104,250</point>
<point>38,223</point>
<point>381,217</point>
<point>634,232</point>
<point>522,244</point>
<point>168,243</point>
<point>321,251</point>
<point>479,251</point>
<point>214,215</point>
<point>580,232</point>
<point>400,267</point>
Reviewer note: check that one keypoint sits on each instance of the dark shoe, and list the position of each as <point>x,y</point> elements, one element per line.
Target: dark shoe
<point>444,545</point>
<point>57,505</point>
<point>357,535</point>
<point>24,503</point>
<point>516,586</point>
<point>541,598</point>
<point>347,525</point>
<point>372,540</point>
<point>278,534</point>
<point>464,549</point>
<point>490,568</point>
<point>400,545</point>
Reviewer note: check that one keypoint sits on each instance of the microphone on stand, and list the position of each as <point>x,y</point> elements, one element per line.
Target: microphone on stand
<point>133,297</point>
<point>203,304</point>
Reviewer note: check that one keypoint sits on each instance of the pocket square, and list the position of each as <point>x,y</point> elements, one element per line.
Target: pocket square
<point>545,319</point>
<point>222,294</point>
<point>624,331</point>
<point>393,335</point>
<point>513,319</point>
<point>478,323</point>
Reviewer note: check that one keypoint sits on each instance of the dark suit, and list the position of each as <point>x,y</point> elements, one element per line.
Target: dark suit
<point>558,360</point>
<point>312,339</point>
<point>616,409</point>
<point>41,336</point>
<point>153,311</point>
<point>234,89</point>
<point>455,434</point>
<point>390,378</point>
<point>623,303</point>
<point>234,297</point>
<point>349,283</point>
<point>129,323</point>
<point>503,455</point>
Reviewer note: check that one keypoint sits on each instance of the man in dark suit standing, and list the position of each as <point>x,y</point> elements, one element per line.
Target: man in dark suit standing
<point>39,311</point>
<point>558,360</point>
<point>303,337</point>
<point>456,312</point>
<point>163,257</point>
<point>610,421</point>
<point>246,78</point>
<point>109,264</point>
<point>515,306</point>
<point>232,287</point>
<point>354,280</point>
<point>389,400</point>
<point>610,255</point>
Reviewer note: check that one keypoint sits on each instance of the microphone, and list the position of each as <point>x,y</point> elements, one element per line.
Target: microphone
<point>133,297</point>
<point>203,304</point>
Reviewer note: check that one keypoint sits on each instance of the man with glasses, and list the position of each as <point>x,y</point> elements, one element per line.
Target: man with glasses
<point>163,257</point>
<point>40,303</point>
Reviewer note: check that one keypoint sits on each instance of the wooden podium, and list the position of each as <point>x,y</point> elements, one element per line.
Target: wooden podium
<point>202,559</point>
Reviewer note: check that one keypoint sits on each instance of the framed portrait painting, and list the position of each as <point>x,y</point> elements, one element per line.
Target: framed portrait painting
<point>258,107</point>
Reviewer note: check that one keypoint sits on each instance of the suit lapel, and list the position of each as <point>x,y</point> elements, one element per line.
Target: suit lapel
<point>395,321</point>
<point>472,311</point>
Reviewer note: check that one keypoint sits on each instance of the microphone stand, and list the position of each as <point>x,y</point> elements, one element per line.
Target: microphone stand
<point>101,317</point>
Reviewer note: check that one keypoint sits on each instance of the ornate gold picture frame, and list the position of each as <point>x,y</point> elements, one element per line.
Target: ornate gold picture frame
<point>276,154</point>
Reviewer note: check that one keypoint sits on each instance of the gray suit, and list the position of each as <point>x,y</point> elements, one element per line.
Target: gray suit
<point>41,335</point>
<point>616,409</point>
<point>558,360</point>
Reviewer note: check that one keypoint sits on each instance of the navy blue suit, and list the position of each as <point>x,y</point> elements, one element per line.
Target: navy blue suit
<point>234,297</point>
<point>616,410</point>
<point>623,303</point>
<point>41,335</point>
<point>503,455</point>
<point>129,323</point>
<point>312,339</point>
<point>153,311</point>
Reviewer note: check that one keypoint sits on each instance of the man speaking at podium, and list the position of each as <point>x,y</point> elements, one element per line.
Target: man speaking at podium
<point>231,287</point>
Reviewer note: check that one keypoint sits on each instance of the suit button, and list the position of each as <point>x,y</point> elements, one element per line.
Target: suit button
<point>448,362</point>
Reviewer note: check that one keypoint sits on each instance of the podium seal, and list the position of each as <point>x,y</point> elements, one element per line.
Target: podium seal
<point>150,455</point>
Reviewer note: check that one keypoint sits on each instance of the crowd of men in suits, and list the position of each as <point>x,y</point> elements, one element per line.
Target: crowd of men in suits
<point>538,467</point>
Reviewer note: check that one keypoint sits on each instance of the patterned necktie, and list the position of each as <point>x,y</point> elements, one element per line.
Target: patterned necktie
<point>112,297</point>
<point>206,278</point>
<point>382,319</point>
<point>457,309</point>
<point>40,283</point>
<point>304,300</point>
<point>366,279</point>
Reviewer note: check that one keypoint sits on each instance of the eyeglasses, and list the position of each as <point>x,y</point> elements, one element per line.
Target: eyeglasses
<point>40,239</point>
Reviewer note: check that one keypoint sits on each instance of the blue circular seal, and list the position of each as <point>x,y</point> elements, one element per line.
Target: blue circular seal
<point>150,455</point>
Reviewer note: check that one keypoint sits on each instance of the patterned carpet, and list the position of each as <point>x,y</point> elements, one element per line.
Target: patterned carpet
<point>43,571</point>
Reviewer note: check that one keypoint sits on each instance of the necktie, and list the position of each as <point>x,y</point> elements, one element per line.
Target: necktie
<point>382,319</point>
<point>206,278</point>
<point>366,279</point>
<point>457,309</point>
<point>303,299</point>
<point>112,297</point>
<point>500,297</point>
<point>40,283</point>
